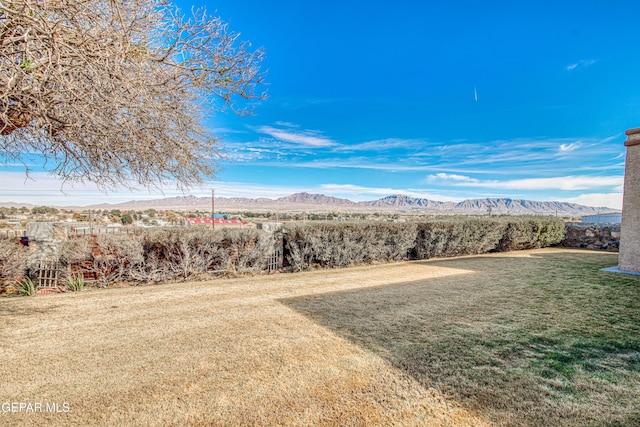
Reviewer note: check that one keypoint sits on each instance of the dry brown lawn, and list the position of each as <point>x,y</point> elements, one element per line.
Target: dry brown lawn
<point>435,343</point>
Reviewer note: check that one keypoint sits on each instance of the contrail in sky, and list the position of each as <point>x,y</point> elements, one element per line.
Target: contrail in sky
<point>475,93</point>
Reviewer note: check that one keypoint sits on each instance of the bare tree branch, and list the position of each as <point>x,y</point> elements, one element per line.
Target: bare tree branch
<point>111,90</point>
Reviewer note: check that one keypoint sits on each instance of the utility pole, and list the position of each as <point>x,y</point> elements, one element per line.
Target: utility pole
<point>213,209</point>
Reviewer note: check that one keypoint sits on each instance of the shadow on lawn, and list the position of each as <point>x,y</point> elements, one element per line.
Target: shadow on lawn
<point>541,340</point>
<point>14,306</point>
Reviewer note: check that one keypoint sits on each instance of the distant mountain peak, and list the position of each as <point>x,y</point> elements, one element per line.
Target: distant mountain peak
<point>309,198</point>
<point>394,203</point>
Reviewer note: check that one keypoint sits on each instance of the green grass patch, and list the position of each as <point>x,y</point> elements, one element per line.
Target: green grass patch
<point>542,340</point>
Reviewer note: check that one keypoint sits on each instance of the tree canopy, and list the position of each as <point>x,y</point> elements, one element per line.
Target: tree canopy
<point>114,91</point>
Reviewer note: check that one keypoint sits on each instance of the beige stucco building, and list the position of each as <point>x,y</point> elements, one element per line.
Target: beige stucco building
<point>629,258</point>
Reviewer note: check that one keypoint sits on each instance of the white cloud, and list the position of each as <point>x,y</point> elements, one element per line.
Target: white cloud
<point>356,192</point>
<point>358,163</point>
<point>565,183</point>
<point>46,190</point>
<point>39,181</point>
<point>361,193</point>
<point>610,200</point>
<point>250,190</point>
<point>452,177</point>
<point>251,152</point>
<point>306,138</point>
<point>583,63</point>
<point>285,124</point>
<point>384,144</point>
<point>41,188</point>
<point>565,148</point>
<point>224,131</point>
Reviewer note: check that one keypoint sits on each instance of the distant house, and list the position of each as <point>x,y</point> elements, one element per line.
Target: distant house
<point>218,222</point>
<point>604,217</point>
<point>151,222</point>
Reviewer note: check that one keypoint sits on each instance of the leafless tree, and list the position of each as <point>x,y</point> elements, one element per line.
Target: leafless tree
<point>113,91</point>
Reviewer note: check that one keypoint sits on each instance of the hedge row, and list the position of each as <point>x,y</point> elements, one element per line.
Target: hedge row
<point>180,253</point>
<point>342,244</point>
<point>153,256</point>
<point>168,254</point>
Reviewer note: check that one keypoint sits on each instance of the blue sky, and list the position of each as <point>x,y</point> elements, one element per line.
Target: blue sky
<point>445,100</point>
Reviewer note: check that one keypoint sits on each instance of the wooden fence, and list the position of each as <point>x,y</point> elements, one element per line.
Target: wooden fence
<point>9,234</point>
<point>77,231</point>
<point>48,274</point>
<point>90,231</point>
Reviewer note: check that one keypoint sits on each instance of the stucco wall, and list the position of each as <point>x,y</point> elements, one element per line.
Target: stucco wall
<point>44,240</point>
<point>629,259</point>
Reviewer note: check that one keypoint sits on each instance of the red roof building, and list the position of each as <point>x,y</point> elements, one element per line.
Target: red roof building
<point>218,222</point>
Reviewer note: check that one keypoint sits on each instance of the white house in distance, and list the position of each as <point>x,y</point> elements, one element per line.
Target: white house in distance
<point>615,217</point>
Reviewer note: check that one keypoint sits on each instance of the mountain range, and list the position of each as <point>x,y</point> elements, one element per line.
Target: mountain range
<point>306,202</point>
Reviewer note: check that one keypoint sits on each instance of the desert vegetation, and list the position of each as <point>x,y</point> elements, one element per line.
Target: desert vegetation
<point>166,254</point>
<point>13,261</point>
<point>338,245</point>
<point>158,255</point>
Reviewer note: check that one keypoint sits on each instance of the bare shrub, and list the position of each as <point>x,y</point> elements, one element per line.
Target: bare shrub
<point>181,253</point>
<point>76,250</point>
<point>552,232</point>
<point>457,236</point>
<point>178,253</point>
<point>107,257</point>
<point>531,233</point>
<point>469,236</point>
<point>338,245</point>
<point>13,261</point>
<point>298,247</point>
<point>118,258</point>
<point>249,250</point>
